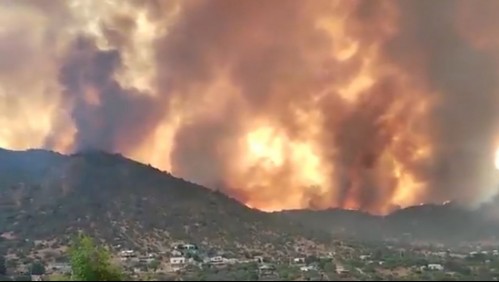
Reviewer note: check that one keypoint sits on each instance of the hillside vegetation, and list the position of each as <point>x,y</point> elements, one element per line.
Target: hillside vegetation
<point>47,196</point>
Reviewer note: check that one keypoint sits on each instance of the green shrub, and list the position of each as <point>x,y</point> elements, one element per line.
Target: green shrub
<point>91,263</point>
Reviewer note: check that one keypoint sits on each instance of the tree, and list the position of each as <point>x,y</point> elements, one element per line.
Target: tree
<point>37,268</point>
<point>3,267</point>
<point>288,273</point>
<point>323,263</point>
<point>197,258</point>
<point>311,259</point>
<point>90,262</point>
<point>457,266</point>
<point>154,264</point>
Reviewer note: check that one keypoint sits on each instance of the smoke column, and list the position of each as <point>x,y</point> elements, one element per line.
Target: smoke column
<point>281,104</point>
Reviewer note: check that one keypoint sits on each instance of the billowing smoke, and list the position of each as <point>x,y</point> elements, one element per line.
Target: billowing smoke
<point>465,115</point>
<point>105,115</point>
<point>281,104</point>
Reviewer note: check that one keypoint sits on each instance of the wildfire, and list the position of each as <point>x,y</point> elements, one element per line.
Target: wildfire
<point>269,158</point>
<point>288,104</point>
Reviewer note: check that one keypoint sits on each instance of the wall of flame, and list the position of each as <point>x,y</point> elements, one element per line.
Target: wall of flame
<point>281,104</point>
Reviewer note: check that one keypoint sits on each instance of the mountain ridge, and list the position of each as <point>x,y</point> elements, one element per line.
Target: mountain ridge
<point>445,223</point>
<point>99,154</point>
<point>108,194</point>
<point>46,196</point>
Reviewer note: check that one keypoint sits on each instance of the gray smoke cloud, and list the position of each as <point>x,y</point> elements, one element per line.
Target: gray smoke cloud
<point>465,118</point>
<point>118,118</point>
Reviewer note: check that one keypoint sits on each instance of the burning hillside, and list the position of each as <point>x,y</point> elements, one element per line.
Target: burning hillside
<point>282,104</point>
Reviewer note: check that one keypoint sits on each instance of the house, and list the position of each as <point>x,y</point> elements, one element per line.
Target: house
<point>340,269</point>
<point>266,270</point>
<point>177,260</point>
<point>217,260</point>
<point>299,260</point>
<point>186,247</point>
<point>307,268</point>
<point>435,266</point>
<point>177,263</point>
<point>364,257</point>
<point>176,253</point>
<point>258,259</point>
<point>127,254</point>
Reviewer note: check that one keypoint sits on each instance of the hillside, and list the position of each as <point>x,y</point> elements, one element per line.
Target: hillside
<point>447,223</point>
<point>45,196</point>
<point>48,196</point>
<point>339,222</point>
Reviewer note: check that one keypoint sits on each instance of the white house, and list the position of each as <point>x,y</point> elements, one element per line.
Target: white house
<point>217,260</point>
<point>472,254</point>
<point>435,266</point>
<point>299,260</point>
<point>177,260</point>
<point>258,259</point>
<point>266,269</point>
<point>176,253</point>
<point>307,268</point>
<point>127,253</point>
<point>340,269</point>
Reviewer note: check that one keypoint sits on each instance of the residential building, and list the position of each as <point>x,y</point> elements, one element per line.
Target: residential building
<point>177,260</point>
<point>176,253</point>
<point>258,259</point>
<point>435,266</point>
<point>307,268</point>
<point>299,260</point>
<point>127,254</point>
<point>217,260</point>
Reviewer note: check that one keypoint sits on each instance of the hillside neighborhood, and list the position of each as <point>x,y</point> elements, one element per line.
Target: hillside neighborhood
<point>342,261</point>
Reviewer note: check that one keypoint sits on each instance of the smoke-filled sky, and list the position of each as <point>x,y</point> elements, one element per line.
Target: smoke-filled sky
<point>282,104</point>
